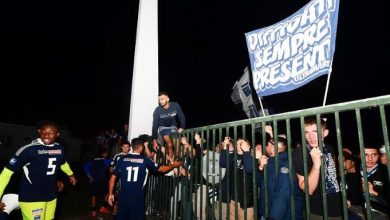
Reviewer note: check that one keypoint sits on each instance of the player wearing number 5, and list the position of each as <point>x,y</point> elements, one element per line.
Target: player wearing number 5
<point>132,170</point>
<point>40,162</point>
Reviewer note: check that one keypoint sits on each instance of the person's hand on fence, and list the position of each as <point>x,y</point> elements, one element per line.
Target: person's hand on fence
<point>259,152</point>
<point>176,163</point>
<point>268,129</point>
<point>316,155</point>
<point>245,146</point>
<point>263,162</point>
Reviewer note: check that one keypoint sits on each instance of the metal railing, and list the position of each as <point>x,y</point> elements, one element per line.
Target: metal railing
<point>208,188</point>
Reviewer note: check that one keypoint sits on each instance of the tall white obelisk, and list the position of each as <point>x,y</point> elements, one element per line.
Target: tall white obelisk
<point>144,91</point>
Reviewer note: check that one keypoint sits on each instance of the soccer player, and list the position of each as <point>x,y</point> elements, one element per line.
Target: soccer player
<point>97,169</point>
<point>40,162</point>
<point>125,146</point>
<point>132,170</point>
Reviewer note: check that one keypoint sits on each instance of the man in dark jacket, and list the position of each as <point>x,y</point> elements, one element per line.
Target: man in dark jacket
<point>237,184</point>
<point>168,118</point>
<point>281,182</point>
<point>378,180</point>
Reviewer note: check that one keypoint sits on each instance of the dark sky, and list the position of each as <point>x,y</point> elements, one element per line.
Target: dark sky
<point>71,61</point>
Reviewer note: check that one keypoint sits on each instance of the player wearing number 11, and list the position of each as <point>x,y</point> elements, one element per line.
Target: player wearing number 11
<point>40,162</point>
<point>132,170</point>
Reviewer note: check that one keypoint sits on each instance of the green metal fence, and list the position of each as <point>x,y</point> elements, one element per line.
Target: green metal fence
<point>196,191</point>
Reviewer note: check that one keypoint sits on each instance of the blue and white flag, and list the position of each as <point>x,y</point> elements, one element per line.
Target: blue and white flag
<point>293,52</point>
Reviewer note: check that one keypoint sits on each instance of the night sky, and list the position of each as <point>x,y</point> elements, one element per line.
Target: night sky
<point>72,61</point>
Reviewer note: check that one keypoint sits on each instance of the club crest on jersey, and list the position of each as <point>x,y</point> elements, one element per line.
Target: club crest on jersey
<point>37,213</point>
<point>12,161</point>
<point>284,170</point>
<point>50,152</point>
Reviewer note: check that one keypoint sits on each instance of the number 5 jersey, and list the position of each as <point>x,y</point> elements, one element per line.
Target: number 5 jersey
<point>40,164</point>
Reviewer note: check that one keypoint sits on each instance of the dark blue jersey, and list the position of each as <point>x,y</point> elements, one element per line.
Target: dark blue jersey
<point>173,116</point>
<point>40,164</point>
<point>115,159</point>
<point>132,170</point>
<point>97,168</point>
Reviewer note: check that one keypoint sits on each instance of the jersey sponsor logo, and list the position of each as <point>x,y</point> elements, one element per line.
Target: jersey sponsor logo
<point>50,152</point>
<point>284,170</point>
<point>133,160</point>
<point>12,161</point>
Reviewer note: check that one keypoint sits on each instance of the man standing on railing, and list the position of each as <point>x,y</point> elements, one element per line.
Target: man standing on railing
<point>168,118</point>
<point>314,153</point>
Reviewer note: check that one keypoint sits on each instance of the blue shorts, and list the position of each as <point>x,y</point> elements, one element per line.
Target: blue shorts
<point>99,189</point>
<point>164,131</point>
<point>131,211</point>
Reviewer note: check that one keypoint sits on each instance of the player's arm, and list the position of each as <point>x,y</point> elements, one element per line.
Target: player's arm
<point>166,168</point>
<point>113,163</point>
<point>111,185</point>
<point>66,169</point>
<point>5,177</point>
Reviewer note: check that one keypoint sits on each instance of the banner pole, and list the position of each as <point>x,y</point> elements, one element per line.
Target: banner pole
<point>261,105</point>
<point>327,84</point>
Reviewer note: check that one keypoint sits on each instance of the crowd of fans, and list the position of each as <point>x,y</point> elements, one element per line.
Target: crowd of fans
<point>276,182</point>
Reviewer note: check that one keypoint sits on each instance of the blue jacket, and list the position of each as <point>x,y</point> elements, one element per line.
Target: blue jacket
<point>279,188</point>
